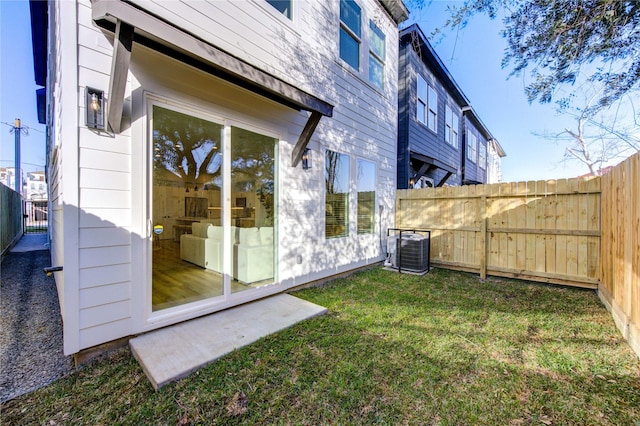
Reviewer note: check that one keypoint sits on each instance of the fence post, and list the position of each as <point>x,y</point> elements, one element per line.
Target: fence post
<point>483,234</point>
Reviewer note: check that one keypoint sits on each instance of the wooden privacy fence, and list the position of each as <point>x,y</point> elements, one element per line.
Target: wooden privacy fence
<point>10,217</point>
<point>620,277</point>
<point>546,231</point>
<point>583,232</point>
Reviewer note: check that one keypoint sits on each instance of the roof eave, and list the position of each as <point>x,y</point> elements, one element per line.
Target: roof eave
<point>396,9</point>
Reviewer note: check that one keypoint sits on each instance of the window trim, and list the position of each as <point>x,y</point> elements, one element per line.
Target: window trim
<point>450,129</point>
<point>347,200</point>
<point>373,28</point>
<point>431,90</point>
<point>375,197</point>
<point>291,9</point>
<point>482,162</point>
<point>357,38</point>
<point>428,108</point>
<point>474,146</point>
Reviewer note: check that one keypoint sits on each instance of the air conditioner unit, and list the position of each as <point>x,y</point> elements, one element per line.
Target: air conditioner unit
<point>411,252</point>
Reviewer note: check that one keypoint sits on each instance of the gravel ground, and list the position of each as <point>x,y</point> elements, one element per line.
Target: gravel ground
<point>30,326</point>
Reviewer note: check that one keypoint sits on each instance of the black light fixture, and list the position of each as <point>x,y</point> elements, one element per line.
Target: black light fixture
<point>412,182</point>
<point>94,105</point>
<point>187,186</point>
<point>306,159</point>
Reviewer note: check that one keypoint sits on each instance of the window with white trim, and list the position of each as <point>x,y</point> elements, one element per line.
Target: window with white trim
<point>377,54</point>
<point>427,106</point>
<point>451,127</point>
<point>472,146</point>
<point>350,32</point>
<point>366,187</point>
<point>482,156</point>
<point>283,6</point>
<point>337,194</point>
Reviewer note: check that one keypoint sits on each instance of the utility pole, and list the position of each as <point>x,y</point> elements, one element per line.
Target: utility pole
<point>17,130</point>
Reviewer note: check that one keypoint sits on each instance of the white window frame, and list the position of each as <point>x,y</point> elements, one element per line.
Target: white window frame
<point>433,109</point>
<point>430,105</point>
<point>146,319</point>
<point>482,155</point>
<point>352,34</point>
<point>282,13</point>
<point>375,195</point>
<point>472,147</point>
<point>378,57</point>
<point>452,127</point>
<point>349,202</point>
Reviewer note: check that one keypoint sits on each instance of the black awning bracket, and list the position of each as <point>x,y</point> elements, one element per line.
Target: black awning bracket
<point>304,138</point>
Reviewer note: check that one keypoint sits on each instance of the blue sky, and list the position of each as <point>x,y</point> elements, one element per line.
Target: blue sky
<point>17,88</point>
<point>473,56</point>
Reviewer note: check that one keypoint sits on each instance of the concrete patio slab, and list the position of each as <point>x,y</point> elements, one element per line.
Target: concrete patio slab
<point>174,352</point>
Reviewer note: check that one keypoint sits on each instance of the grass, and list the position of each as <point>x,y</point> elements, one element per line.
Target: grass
<point>445,349</point>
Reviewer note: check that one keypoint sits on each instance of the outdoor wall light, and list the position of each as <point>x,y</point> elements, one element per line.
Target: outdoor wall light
<point>411,183</point>
<point>94,102</point>
<point>306,159</point>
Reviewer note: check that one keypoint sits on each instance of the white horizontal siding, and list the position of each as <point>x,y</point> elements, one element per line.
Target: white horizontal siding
<point>103,275</point>
<point>115,145</point>
<point>106,332</point>
<point>104,314</point>
<point>101,256</point>
<point>104,199</point>
<point>104,295</point>
<point>91,198</point>
<point>104,160</point>
<point>98,237</point>
<point>237,27</point>
<point>105,179</point>
<point>105,218</point>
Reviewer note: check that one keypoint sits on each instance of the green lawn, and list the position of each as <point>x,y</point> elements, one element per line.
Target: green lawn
<point>445,348</point>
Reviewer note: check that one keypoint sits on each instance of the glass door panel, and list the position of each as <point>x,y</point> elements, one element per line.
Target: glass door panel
<point>186,209</point>
<point>253,188</point>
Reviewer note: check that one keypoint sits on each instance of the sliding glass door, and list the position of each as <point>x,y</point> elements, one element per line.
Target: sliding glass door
<point>252,208</point>
<point>212,221</point>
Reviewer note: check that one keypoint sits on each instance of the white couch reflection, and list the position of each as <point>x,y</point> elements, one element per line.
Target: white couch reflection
<point>252,254</point>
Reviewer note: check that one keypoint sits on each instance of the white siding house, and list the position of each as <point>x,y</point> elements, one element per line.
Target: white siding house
<point>495,154</point>
<point>248,147</point>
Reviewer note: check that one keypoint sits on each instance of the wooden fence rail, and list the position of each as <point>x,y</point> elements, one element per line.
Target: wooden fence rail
<point>546,231</point>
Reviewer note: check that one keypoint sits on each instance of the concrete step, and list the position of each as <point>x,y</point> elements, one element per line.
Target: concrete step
<point>174,352</point>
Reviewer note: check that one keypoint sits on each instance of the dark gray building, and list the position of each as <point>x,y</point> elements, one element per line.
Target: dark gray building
<point>441,140</point>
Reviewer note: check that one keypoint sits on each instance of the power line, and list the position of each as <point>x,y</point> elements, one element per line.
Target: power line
<point>28,128</point>
<point>24,162</point>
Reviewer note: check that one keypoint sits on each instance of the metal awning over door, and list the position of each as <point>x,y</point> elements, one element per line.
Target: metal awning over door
<point>131,23</point>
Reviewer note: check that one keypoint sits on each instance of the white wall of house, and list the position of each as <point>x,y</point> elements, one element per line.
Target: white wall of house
<point>98,181</point>
<point>494,163</point>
